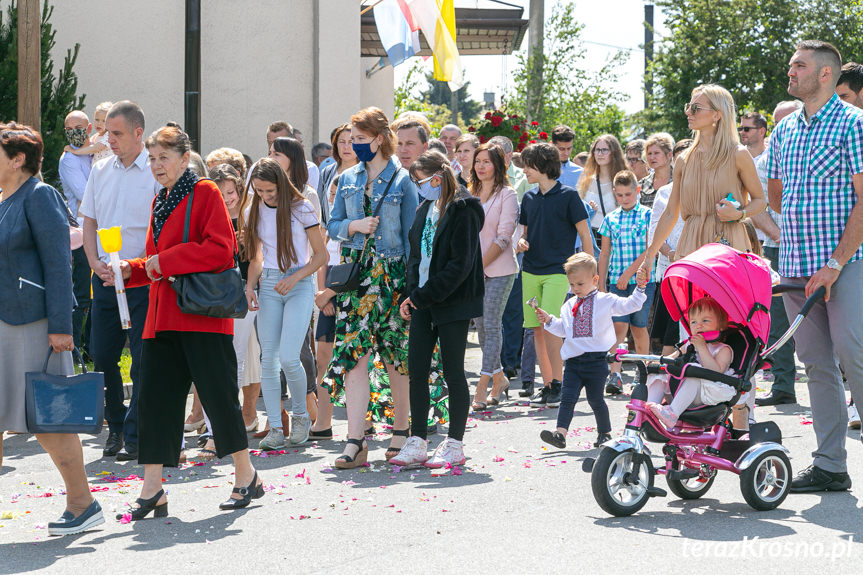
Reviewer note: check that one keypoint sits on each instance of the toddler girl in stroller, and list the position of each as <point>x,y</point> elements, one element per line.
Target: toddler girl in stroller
<point>707,322</point>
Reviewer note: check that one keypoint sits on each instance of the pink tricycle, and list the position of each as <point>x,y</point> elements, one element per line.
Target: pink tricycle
<point>703,441</point>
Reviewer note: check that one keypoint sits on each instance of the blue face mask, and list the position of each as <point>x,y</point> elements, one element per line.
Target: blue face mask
<point>364,152</point>
<point>429,192</point>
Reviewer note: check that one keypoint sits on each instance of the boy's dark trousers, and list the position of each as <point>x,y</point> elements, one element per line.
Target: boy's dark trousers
<point>589,372</point>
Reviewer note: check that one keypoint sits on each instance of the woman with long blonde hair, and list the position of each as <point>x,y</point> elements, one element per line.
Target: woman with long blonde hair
<point>715,167</point>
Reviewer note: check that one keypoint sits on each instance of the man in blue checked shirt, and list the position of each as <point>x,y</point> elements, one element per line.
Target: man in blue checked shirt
<point>815,178</point>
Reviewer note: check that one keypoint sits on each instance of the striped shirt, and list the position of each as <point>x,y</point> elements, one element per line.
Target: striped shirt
<point>815,159</point>
<point>627,230</point>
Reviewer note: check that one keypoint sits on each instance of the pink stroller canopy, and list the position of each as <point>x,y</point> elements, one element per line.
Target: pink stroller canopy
<point>739,282</point>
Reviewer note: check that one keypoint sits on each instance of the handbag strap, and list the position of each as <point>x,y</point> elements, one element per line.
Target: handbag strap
<point>599,193</point>
<point>75,355</point>
<point>375,214</point>
<point>188,219</point>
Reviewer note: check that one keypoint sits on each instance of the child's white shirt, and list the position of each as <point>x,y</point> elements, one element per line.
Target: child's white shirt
<point>592,329</point>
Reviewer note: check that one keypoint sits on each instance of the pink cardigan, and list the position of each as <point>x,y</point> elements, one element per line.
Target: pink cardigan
<point>501,219</point>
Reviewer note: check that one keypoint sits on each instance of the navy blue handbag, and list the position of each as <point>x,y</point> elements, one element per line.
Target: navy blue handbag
<point>65,403</point>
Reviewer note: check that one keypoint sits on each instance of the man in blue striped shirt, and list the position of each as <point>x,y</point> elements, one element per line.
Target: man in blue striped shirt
<point>815,178</point>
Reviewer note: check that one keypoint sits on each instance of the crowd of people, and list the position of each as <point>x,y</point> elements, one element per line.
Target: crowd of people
<point>555,256</point>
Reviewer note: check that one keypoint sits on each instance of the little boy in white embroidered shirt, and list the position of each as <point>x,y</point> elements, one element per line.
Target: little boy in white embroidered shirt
<point>587,329</point>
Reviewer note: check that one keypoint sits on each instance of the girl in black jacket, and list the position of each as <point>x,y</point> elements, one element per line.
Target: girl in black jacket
<point>444,291</point>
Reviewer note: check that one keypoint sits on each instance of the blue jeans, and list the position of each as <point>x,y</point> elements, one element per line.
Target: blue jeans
<point>107,339</point>
<point>283,321</point>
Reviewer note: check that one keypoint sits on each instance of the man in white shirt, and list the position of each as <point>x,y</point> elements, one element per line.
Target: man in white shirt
<point>119,192</point>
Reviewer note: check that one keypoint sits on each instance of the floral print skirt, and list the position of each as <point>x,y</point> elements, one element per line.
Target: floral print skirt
<point>368,322</point>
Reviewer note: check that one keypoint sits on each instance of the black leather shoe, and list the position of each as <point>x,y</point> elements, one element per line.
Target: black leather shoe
<point>128,454</point>
<point>814,479</point>
<point>113,445</point>
<point>776,397</point>
<point>555,438</point>
<point>510,372</point>
<point>526,389</point>
<point>253,490</point>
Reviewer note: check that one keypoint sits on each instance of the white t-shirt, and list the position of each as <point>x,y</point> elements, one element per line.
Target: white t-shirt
<point>120,196</point>
<point>333,246</point>
<point>607,201</point>
<point>302,217</point>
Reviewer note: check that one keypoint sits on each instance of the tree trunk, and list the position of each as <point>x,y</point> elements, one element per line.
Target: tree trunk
<point>29,63</point>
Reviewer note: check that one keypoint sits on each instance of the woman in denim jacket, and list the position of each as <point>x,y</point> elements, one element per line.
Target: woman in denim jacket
<point>368,324</point>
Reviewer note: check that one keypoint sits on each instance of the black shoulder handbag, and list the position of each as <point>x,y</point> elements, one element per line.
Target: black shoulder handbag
<point>346,277</point>
<point>64,403</point>
<point>213,294</point>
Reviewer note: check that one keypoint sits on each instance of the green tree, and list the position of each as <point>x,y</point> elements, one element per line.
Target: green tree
<point>743,45</point>
<point>569,93</point>
<point>438,93</point>
<point>59,91</point>
<point>407,98</point>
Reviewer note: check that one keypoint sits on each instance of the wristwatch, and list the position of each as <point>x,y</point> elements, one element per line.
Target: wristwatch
<point>834,265</point>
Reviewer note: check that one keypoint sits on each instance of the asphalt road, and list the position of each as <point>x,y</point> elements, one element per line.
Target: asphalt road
<point>516,507</point>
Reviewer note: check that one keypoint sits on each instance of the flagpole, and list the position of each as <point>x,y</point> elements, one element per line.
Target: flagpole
<point>369,7</point>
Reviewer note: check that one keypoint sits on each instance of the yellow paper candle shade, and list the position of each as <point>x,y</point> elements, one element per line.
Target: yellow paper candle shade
<point>111,239</point>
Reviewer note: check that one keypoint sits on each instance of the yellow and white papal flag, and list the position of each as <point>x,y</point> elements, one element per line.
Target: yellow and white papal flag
<point>436,18</point>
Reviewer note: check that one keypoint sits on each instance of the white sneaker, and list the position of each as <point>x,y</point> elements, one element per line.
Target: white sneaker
<point>300,426</point>
<point>275,439</point>
<point>853,417</point>
<point>450,451</point>
<point>414,452</point>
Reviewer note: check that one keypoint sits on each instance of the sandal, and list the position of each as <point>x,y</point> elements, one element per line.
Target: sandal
<point>206,455</point>
<point>393,451</point>
<point>345,461</point>
<point>322,434</point>
<point>253,490</point>
<point>479,405</point>
<point>370,431</point>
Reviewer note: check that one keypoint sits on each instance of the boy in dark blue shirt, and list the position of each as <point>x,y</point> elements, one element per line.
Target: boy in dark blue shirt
<point>553,216</point>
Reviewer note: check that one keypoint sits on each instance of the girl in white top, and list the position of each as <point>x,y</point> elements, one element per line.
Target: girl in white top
<point>706,318</point>
<point>281,226</point>
<point>605,160</point>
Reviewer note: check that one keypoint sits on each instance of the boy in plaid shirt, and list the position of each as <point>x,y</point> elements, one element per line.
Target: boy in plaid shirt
<point>624,239</point>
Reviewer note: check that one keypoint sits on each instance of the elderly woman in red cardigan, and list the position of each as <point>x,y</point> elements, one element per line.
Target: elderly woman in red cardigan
<point>178,347</point>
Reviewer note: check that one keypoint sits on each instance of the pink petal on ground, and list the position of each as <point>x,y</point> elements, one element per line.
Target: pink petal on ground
<point>497,459</point>
<point>457,470</point>
<point>126,518</point>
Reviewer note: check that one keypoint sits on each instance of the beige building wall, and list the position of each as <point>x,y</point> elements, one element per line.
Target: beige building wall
<point>129,50</point>
<point>377,90</point>
<point>257,64</point>
<point>256,68</point>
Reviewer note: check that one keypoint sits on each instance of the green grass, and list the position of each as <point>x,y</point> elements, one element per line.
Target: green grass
<point>125,366</point>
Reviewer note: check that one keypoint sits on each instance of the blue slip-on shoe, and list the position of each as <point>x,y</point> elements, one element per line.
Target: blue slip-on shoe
<point>68,524</point>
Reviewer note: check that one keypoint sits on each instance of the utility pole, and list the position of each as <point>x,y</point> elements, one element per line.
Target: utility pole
<point>192,74</point>
<point>536,25</point>
<point>29,63</point>
<point>648,53</point>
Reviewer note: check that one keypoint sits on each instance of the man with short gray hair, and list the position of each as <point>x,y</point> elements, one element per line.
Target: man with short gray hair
<point>448,135</point>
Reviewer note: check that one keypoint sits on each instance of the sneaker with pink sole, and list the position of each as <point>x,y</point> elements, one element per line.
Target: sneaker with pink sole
<point>664,413</point>
<point>413,453</point>
<point>450,451</point>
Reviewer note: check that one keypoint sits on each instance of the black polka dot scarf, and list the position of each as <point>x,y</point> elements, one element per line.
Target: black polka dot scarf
<point>165,202</point>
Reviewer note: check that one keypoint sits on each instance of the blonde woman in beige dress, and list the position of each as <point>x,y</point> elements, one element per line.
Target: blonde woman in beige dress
<point>704,175</point>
